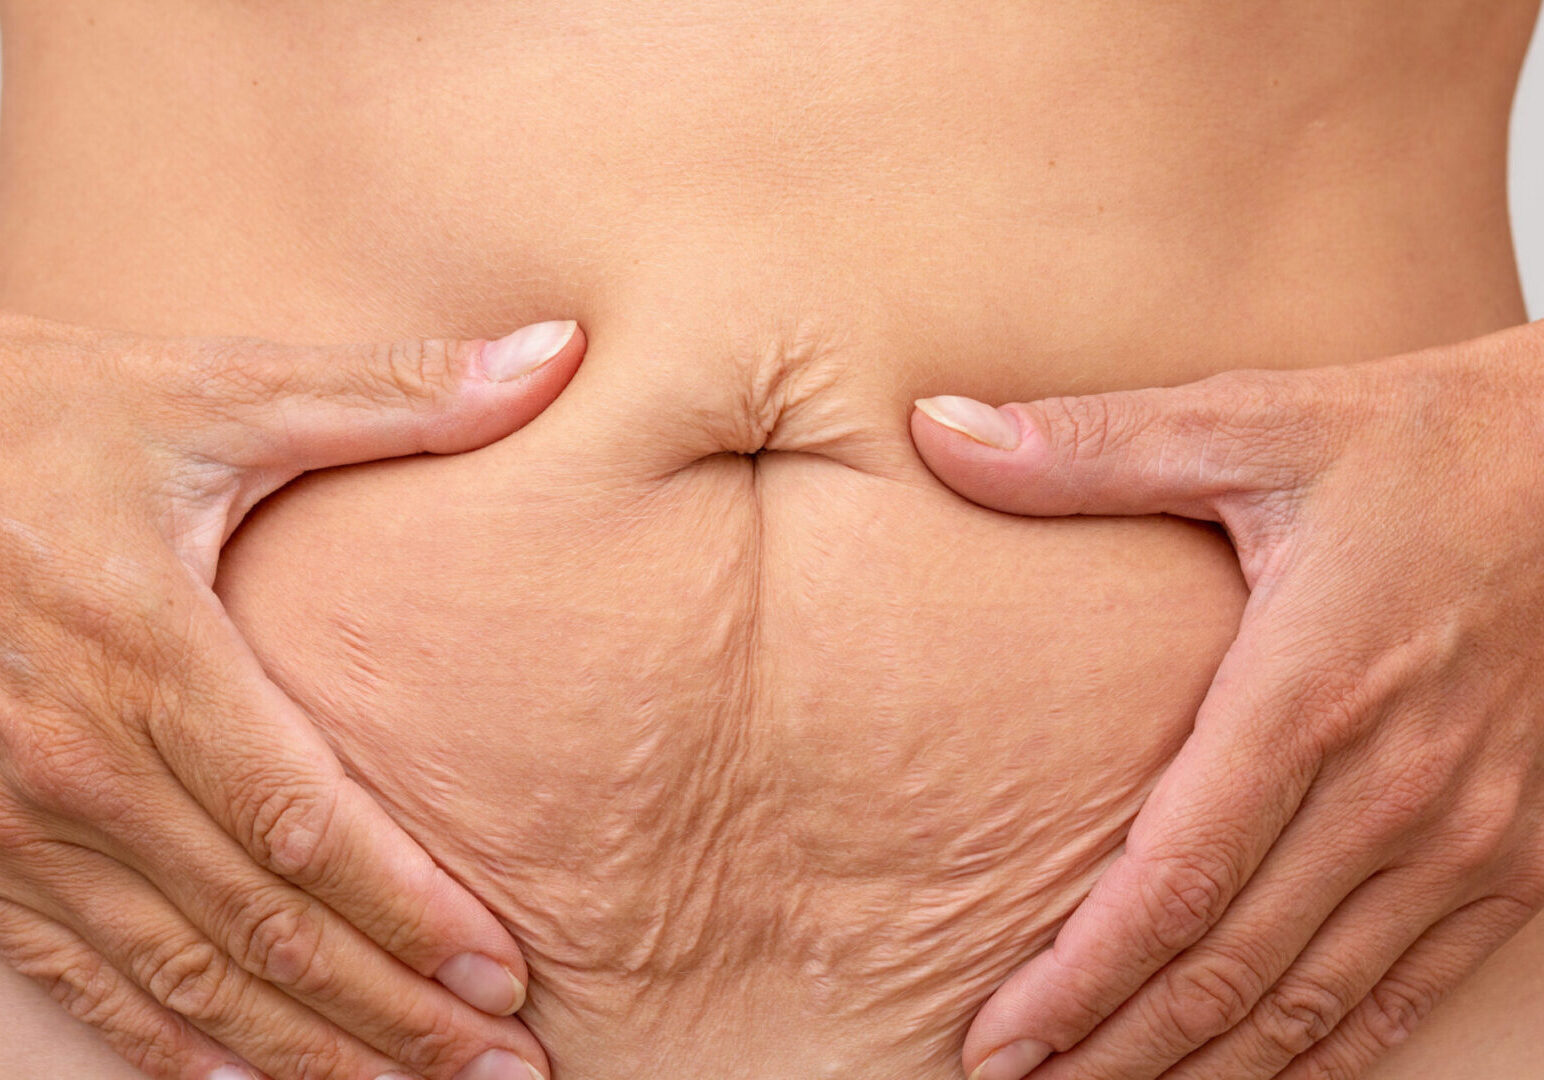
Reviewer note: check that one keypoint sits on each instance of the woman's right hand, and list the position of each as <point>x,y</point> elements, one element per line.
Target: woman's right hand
<point>183,861</point>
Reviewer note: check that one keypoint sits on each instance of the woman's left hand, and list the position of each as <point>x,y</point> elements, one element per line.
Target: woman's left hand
<point>1357,819</point>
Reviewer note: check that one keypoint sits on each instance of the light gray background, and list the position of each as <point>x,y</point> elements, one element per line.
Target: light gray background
<point>1527,176</point>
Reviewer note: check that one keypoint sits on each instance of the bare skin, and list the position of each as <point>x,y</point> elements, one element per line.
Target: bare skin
<point>613,656</point>
<point>141,847</point>
<point>1358,818</point>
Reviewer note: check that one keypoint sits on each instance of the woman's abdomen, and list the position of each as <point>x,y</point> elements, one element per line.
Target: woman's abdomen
<point>776,755</point>
<point>792,744</point>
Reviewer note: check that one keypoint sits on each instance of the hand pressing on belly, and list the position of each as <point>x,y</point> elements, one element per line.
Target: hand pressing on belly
<point>1357,819</point>
<point>182,860</point>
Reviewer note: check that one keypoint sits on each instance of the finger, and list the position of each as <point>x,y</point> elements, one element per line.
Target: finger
<point>282,410</point>
<point>148,1036</point>
<point>296,943</point>
<point>261,770</point>
<point>1438,961</point>
<point>1364,938</point>
<point>1178,451</point>
<point>1214,814</point>
<point>122,916</point>
<point>1219,983</point>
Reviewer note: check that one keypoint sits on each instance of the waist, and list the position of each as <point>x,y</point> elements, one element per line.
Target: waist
<point>801,754</point>
<point>741,722</point>
<point>1129,195</point>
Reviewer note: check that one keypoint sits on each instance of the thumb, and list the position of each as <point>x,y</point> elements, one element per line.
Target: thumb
<point>1178,451</point>
<point>272,411</point>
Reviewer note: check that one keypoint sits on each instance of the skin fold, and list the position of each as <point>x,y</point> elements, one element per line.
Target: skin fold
<point>747,798</point>
<point>775,756</point>
<point>1354,824</point>
<point>162,869</point>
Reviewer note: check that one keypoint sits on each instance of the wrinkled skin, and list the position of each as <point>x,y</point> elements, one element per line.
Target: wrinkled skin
<point>776,764</point>
<point>1358,819</point>
<point>181,858</point>
<point>792,218</point>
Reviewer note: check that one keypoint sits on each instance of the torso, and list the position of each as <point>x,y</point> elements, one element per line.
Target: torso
<point>775,755</point>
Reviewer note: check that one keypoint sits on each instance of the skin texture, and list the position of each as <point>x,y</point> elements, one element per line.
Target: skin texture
<point>730,796</point>
<point>177,844</point>
<point>1358,819</point>
<point>775,765</point>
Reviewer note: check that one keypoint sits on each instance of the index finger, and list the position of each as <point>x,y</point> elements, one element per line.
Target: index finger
<point>263,772</point>
<point>1208,824</point>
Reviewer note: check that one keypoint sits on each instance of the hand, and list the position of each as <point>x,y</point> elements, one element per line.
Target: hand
<point>1355,821</point>
<point>182,859</point>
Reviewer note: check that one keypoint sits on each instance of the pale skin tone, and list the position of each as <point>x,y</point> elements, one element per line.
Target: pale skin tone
<point>145,753</point>
<point>1447,821</point>
<point>1358,819</point>
<point>1382,511</point>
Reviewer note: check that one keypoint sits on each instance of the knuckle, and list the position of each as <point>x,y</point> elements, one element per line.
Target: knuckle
<point>89,989</point>
<point>325,1058</point>
<point>1335,705</point>
<point>283,945</point>
<point>1087,423</point>
<point>55,769</point>
<point>158,1045</point>
<point>1241,422</point>
<point>78,979</point>
<point>415,371</point>
<point>430,1047</point>
<point>1480,835</point>
<point>1206,1000</point>
<point>36,762</point>
<point>285,827</point>
<point>1184,896</point>
<point>77,769</point>
<point>83,986</point>
<point>1395,1010</point>
<point>1410,793</point>
<point>1479,846</point>
<point>1295,1017</point>
<point>191,980</point>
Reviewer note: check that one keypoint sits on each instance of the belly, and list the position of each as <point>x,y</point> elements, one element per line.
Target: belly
<point>774,754</point>
<point>795,745</point>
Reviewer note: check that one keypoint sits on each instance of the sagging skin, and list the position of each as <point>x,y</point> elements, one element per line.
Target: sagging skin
<point>775,756</point>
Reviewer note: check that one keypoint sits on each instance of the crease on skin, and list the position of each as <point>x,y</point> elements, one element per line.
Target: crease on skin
<point>704,740</point>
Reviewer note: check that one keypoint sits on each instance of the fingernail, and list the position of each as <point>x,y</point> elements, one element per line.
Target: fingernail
<point>975,419</point>
<point>482,983</point>
<point>1013,1062</point>
<point>231,1072</point>
<point>499,1065</point>
<point>527,349</point>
